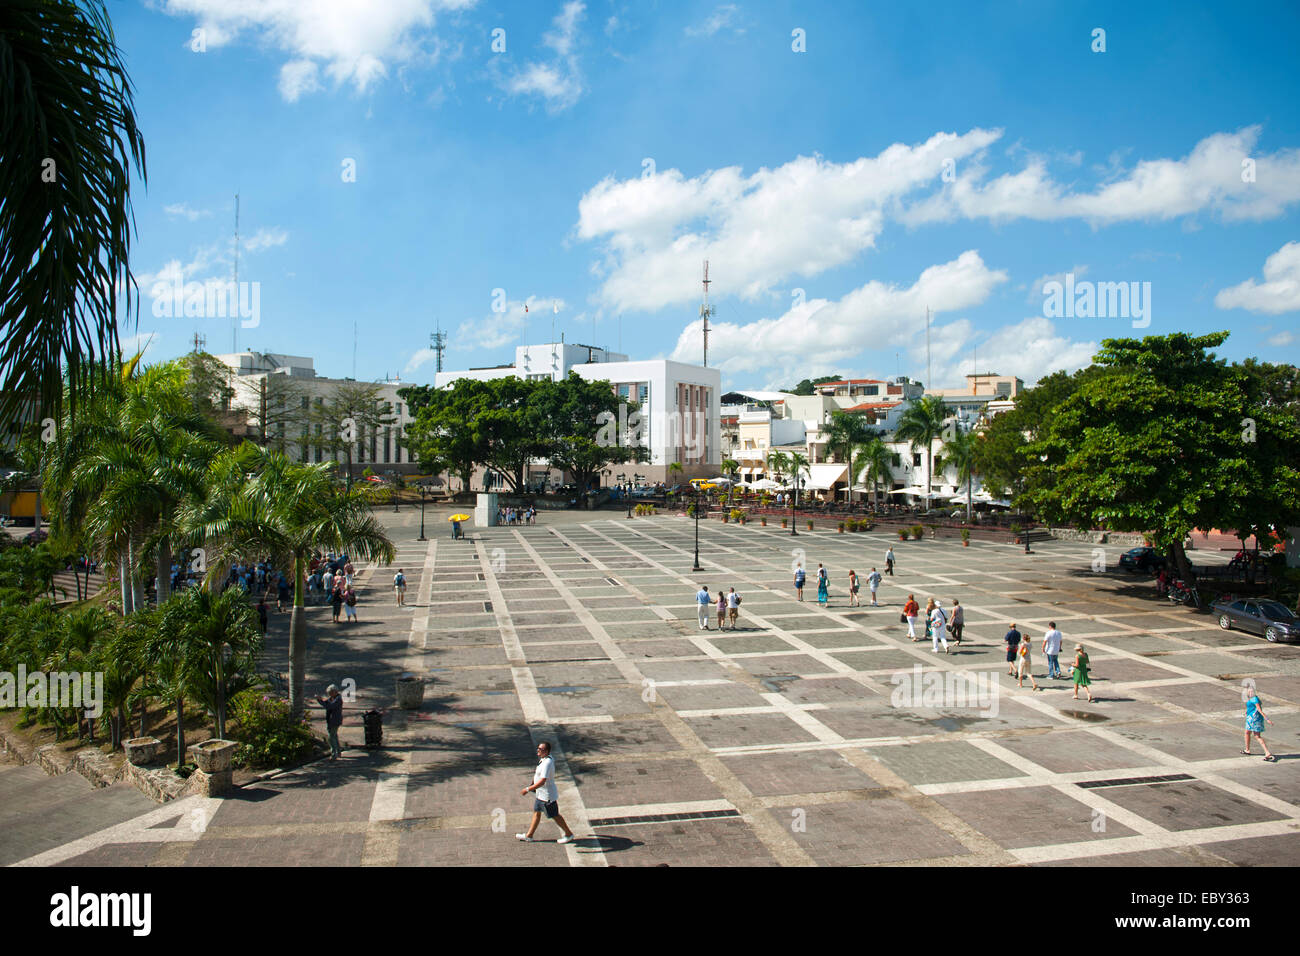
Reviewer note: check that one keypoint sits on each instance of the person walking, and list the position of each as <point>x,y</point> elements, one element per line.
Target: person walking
<point>722,609</point>
<point>1080,673</point>
<point>1025,666</point>
<point>853,589</point>
<point>799,578</point>
<point>336,602</point>
<point>282,596</point>
<point>1052,648</point>
<point>546,797</point>
<point>1255,719</point>
<point>350,602</point>
<point>327,583</point>
<point>873,582</point>
<point>333,705</point>
<point>823,585</point>
<point>910,610</point>
<point>349,570</point>
<point>261,614</point>
<point>733,607</point>
<point>704,601</point>
<point>1012,639</point>
<point>889,561</point>
<point>938,626</point>
<point>399,587</point>
<point>957,623</point>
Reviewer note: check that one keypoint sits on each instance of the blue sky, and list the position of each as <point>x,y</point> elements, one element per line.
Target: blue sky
<point>949,155</point>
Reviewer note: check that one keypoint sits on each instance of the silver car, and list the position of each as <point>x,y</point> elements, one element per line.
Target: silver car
<point>1269,618</point>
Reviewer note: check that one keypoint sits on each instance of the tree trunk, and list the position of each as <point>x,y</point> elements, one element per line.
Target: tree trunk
<point>124,579</point>
<point>297,641</point>
<point>969,482</point>
<point>1180,561</point>
<point>164,571</point>
<point>137,586</point>
<point>180,730</point>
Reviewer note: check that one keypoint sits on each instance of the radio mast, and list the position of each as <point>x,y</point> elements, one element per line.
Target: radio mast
<point>706,311</point>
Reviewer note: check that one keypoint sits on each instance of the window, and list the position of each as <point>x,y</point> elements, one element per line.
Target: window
<point>916,459</point>
<point>938,464</point>
<point>898,461</point>
<point>872,390</point>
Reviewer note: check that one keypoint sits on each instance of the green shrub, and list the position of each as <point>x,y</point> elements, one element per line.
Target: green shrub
<point>268,736</point>
<point>917,532</point>
<point>736,514</point>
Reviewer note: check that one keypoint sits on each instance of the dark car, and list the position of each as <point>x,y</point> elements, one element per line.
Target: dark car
<point>1270,618</point>
<point>1141,559</point>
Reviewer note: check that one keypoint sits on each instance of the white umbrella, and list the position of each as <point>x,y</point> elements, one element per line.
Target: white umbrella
<point>766,484</point>
<point>722,481</point>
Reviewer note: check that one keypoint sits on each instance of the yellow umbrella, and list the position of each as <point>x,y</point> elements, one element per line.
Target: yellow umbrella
<point>459,518</point>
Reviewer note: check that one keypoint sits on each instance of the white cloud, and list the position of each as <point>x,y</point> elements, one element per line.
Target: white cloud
<point>421,357</point>
<point>352,42</point>
<point>798,219</point>
<point>498,329</point>
<point>1029,349</point>
<point>264,239</point>
<point>721,18</point>
<point>1281,339</point>
<point>559,81</point>
<point>183,210</point>
<point>1279,292</point>
<point>875,316</point>
<point>1211,178</point>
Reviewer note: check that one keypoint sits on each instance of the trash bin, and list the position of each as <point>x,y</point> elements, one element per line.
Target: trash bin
<point>373,720</point>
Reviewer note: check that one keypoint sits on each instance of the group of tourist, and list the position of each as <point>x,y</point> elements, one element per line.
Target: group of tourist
<point>517,515</point>
<point>727,604</point>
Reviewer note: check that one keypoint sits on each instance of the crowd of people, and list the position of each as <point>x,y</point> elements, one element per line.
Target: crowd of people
<point>517,516</point>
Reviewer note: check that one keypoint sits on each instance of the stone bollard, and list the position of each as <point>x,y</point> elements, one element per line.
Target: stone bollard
<point>214,775</point>
<point>142,750</point>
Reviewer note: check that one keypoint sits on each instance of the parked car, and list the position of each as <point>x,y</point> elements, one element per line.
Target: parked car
<point>1141,559</point>
<point>1269,618</point>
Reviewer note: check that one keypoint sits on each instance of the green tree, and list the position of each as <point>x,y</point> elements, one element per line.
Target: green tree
<point>581,425</point>
<point>1159,440</point>
<point>921,423</point>
<point>961,449</point>
<point>875,459</point>
<point>844,436</point>
<point>287,510</point>
<point>69,135</point>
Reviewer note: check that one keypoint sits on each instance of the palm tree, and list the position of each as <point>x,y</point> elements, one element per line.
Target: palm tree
<point>798,465</point>
<point>920,423</point>
<point>875,459</point>
<point>68,126</point>
<point>845,434</point>
<point>961,451</point>
<point>258,503</point>
<point>219,634</point>
<point>730,467</point>
<point>778,463</point>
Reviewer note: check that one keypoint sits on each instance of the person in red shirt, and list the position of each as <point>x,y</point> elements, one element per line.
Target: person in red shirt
<point>910,610</point>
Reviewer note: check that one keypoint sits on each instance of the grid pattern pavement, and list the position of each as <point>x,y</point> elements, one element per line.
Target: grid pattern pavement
<point>783,742</point>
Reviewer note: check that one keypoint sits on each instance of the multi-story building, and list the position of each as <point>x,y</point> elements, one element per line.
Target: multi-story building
<point>986,395</point>
<point>679,404</point>
<point>284,404</point>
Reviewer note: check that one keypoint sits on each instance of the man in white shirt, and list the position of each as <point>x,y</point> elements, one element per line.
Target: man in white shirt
<point>733,607</point>
<point>704,602</point>
<point>873,582</point>
<point>546,796</point>
<point>1052,648</point>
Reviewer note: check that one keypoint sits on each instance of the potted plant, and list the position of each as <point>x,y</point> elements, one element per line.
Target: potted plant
<point>762,520</point>
<point>1015,529</point>
<point>737,516</point>
<point>841,527</point>
<point>965,537</point>
<point>810,524</point>
<point>918,532</point>
<point>902,534</point>
<point>783,521</point>
<point>724,516</point>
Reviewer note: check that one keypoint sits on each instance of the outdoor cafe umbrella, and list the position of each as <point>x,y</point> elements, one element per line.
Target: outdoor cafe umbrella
<point>459,518</point>
<point>766,484</point>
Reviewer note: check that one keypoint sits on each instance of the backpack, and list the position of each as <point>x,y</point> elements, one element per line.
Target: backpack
<point>351,599</point>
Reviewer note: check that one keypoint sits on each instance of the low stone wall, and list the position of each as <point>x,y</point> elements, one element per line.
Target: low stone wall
<point>1122,539</point>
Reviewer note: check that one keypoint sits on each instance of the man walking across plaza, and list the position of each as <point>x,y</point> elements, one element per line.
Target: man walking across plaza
<point>1013,644</point>
<point>333,705</point>
<point>889,561</point>
<point>873,582</point>
<point>938,627</point>
<point>546,796</point>
<point>799,578</point>
<point>1052,648</point>
<point>733,607</point>
<point>399,587</point>
<point>958,622</point>
<point>704,602</point>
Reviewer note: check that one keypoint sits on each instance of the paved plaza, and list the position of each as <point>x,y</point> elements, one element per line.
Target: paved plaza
<point>781,743</point>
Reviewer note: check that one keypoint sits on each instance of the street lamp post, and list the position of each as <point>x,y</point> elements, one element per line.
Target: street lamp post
<point>422,499</point>
<point>697,530</point>
<point>794,504</point>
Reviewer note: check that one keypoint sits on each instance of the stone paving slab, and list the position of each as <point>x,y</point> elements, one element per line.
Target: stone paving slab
<point>1033,816</point>
<point>821,771</point>
<point>1189,806</point>
<point>862,832</point>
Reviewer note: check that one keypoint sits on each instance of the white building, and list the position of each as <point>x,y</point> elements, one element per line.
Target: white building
<point>377,447</point>
<point>679,404</point>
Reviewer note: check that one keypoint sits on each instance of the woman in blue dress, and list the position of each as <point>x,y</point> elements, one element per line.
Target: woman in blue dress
<point>823,585</point>
<point>1255,725</point>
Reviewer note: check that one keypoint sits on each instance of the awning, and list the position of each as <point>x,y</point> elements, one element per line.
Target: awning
<point>822,476</point>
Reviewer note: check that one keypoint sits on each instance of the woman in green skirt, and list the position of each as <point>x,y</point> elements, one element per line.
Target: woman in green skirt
<point>1081,678</point>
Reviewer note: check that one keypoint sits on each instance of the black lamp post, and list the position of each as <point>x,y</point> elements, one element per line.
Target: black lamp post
<point>697,530</point>
<point>794,504</point>
<point>422,499</point>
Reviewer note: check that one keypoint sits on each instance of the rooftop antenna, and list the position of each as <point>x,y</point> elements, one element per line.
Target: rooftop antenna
<point>706,310</point>
<point>199,342</point>
<point>438,342</point>
<point>234,326</point>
